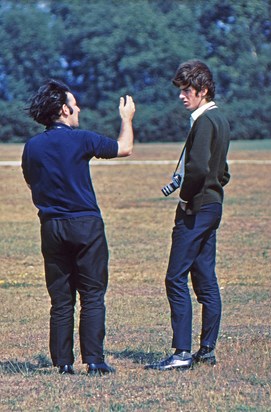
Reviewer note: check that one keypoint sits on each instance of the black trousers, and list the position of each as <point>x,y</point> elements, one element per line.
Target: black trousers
<point>76,259</point>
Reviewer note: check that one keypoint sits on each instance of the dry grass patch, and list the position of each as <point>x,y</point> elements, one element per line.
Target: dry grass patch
<point>138,223</point>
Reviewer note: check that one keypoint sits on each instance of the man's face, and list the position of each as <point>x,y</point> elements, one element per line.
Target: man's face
<point>192,99</point>
<point>74,110</point>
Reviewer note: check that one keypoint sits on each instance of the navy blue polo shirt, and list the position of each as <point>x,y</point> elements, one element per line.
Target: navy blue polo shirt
<point>55,164</point>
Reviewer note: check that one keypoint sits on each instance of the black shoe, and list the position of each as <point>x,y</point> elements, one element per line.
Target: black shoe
<point>66,369</point>
<point>204,355</point>
<point>181,361</point>
<point>99,368</point>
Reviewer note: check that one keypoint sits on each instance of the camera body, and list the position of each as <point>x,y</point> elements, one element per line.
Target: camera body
<point>172,186</point>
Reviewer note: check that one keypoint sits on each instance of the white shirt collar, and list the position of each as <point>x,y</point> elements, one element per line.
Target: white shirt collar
<point>201,110</point>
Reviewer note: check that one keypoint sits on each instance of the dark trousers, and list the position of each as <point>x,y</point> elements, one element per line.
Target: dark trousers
<point>194,250</point>
<point>76,259</point>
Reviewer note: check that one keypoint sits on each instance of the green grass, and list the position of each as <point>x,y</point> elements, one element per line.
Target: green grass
<point>248,145</point>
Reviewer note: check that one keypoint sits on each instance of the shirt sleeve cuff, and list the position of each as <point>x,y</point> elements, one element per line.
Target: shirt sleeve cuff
<point>184,201</point>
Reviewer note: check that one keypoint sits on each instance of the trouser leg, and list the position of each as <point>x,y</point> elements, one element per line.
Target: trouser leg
<point>60,283</point>
<point>177,289</point>
<point>61,322</point>
<point>92,279</point>
<point>206,288</point>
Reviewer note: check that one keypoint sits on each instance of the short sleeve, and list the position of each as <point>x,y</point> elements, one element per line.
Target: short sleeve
<point>101,146</point>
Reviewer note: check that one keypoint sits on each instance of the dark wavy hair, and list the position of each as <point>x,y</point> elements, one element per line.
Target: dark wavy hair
<point>46,104</point>
<point>196,74</point>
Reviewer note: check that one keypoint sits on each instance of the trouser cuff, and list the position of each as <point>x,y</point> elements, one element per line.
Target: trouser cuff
<point>93,359</point>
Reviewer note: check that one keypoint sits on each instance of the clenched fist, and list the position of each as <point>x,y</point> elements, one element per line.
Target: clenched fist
<point>127,109</point>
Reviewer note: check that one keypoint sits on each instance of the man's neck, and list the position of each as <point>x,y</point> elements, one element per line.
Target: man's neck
<point>200,110</point>
<point>63,120</point>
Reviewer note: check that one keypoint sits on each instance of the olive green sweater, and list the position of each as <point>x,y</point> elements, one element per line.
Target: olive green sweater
<point>206,168</point>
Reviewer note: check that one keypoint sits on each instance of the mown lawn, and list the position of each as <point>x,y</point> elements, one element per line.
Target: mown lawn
<point>138,224</point>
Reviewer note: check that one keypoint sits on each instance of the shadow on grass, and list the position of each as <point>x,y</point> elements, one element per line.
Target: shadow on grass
<point>137,356</point>
<point>25,368</point>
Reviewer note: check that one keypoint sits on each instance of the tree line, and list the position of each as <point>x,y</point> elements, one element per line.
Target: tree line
<point>107,48</point>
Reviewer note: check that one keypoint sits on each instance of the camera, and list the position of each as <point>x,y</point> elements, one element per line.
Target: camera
<point>172,186</point>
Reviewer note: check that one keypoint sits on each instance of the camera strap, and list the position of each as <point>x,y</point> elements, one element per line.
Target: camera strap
<point>180,160</point>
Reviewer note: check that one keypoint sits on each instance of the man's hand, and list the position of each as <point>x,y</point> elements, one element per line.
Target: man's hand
<point>127,110</point>
<point>183,205</point>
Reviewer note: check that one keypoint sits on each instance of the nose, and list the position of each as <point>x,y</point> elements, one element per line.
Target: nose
<point>181,96</point>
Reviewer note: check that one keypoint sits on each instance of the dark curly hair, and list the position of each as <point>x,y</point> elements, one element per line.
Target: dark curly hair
<point>196,74</point>
<point>46,104</point>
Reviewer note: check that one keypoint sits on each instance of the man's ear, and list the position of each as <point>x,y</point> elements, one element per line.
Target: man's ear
<point>204,92</point>
<point>65,110</point>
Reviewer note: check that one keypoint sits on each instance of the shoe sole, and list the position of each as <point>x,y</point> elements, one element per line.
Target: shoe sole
<point>99,372</point>
<point>209,361</point>
<point>179,368</point>
<point>169,367</point>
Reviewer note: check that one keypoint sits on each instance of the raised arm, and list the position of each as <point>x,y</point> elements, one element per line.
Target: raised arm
<point>126,136</point>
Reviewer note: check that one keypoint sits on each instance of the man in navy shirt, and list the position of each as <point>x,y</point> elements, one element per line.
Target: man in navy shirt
<point>55,166</point>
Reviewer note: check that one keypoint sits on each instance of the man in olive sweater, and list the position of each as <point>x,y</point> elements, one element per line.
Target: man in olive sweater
<point>198,215</point>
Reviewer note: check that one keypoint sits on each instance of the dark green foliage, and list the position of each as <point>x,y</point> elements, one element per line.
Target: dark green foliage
<point>104,49</point>
<point>16,126</point>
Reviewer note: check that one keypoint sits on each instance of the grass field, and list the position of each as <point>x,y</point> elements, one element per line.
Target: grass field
<point>138,224</point>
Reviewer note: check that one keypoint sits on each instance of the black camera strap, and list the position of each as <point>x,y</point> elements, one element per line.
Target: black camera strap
<point>180,159</point>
